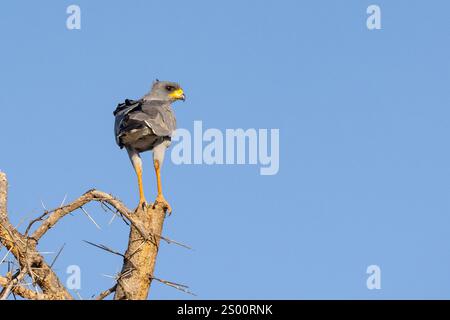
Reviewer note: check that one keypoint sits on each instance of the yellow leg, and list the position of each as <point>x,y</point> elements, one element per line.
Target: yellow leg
<point>160,198</point>
<point>142,201</point>
<point>158,177</point>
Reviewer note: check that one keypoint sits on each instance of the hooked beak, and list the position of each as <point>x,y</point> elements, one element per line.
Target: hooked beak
<point>178,95</point>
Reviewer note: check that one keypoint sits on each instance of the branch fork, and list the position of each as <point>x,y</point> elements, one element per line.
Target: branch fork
<point>146,224</point>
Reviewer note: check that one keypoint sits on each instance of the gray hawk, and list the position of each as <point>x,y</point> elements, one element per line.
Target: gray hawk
<point>148,124</point>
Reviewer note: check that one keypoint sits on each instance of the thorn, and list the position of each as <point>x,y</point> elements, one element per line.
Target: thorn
<point>177,286</point>
<point>43,205</point>
<point>6,255</point>
<point>78,294</point>
<point>20,222</point>
<point>112,219</point>
<point>103,247</point>
<point>63,201</point>
<point>46,252</point>
<point>115,213</point>
<point>57,256</point>
<point>90,218</point>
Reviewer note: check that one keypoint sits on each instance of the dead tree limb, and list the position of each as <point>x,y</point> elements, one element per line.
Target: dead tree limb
<point>22,291</point>
<point>140,257</point>
<point>106,293</point>
<point>139,260</point>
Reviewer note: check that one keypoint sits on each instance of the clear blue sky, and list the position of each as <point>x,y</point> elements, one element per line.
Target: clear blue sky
<point>364,123</point>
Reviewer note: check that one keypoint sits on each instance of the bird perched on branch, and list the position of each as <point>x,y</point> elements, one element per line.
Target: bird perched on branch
<point>148,124</point>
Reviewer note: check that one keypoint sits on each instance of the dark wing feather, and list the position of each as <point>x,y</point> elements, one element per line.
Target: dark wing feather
<point>127,106</point>
<point>121,114</point>
<point>155,115</point>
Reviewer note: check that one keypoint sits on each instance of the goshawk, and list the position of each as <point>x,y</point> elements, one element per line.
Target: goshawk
<point>148,124</point>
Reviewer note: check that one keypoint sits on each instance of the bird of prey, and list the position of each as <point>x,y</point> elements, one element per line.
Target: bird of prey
<point>148,124</point>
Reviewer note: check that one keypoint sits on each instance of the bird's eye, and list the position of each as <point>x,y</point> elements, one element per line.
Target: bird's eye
<point>170,88</point>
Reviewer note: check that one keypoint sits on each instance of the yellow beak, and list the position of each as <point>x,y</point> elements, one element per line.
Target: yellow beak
<point>178,95</point>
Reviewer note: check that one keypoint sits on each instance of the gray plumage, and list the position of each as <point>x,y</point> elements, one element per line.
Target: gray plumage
<point>148,124</point>
<point>145,123</point>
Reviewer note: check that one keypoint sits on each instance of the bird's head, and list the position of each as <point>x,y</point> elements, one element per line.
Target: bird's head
<point>166,91</point>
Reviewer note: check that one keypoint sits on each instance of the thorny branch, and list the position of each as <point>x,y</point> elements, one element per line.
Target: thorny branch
<point>22,291</point>
<point>138,262</point>
<point>106,293</point>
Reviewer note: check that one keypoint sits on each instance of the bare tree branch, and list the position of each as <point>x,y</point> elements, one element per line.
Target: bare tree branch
<point>3,195</point>
<point>23,292</point>
<point>106,293</point>
<point>138,261</point>
<point>140,257</point>
<point>13,281</point>
<point>25,251</point>
<point>95,195</point>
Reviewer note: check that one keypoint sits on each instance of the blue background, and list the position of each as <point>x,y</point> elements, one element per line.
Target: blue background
<point>364,124</point>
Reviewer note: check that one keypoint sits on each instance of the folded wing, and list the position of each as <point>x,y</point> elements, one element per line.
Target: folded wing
<point>144,122</point>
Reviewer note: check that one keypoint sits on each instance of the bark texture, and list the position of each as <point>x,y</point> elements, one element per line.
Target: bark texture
<point>140,257</point>
<point>139,260</point>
